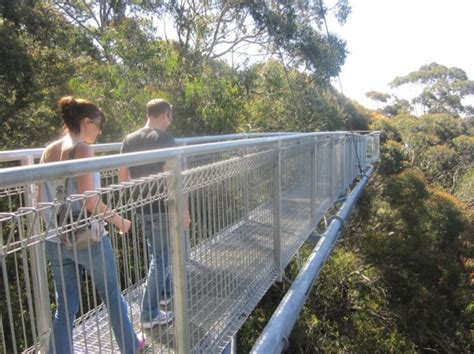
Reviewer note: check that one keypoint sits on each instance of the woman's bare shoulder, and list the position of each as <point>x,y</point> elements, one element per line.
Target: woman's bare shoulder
<point>83,150</point>
<point>52,152</point>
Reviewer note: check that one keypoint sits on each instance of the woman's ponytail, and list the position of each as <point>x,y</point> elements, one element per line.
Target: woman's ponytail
<point>74,110</point>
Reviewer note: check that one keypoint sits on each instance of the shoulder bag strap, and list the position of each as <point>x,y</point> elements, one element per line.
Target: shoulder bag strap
<point>71,157</point>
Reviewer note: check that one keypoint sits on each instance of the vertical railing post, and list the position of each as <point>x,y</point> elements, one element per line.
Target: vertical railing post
<point>377,147</point>
<point>364,151</point>
<point>276,171</point>
<point>370,149</point>
<point>314,173</point>
<point>332,167</point>
<point>178,257</point>
<point>246,187</point>
<point>38,268</point>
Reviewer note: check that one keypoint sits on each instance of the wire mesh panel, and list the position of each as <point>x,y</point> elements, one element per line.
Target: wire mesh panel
<point>231,238</point>
<point>11,198</point>
<point>251,207</point>
<point>295,215</point>
<point>323,176</point>
<point>28,230</point>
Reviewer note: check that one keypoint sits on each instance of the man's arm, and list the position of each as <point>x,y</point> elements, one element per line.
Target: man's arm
<point>123,171</point>
<point>123,174</point>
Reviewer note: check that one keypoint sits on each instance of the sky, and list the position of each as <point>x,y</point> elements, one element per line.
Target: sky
<point>390,38</point>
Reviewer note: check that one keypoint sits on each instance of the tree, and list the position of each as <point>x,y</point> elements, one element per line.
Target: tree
<point>378,96</point>
<point>416,236</point>
<point>213,29</point>
<point>394,105</point>
<point>96,18</point>
<point>39,58</point>
<point>295,30</point>
<point>443,89</point>
<point>281,99</point>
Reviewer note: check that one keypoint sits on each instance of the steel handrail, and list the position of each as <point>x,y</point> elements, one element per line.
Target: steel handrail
<point>18,154</point>
<point>14,176</point>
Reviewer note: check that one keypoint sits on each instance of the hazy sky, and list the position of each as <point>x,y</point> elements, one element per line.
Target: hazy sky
<point>389,38</point>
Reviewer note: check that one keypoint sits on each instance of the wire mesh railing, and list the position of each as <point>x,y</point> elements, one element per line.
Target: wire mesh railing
<point>251,203</point>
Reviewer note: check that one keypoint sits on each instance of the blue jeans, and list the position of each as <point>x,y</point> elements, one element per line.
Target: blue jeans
<point>158,284</point>
<point>67,269</point>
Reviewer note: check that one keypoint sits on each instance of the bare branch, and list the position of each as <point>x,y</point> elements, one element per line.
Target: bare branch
<point>91,13</point>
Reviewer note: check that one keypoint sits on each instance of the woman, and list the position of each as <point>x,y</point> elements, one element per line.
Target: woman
<point>84,121</point>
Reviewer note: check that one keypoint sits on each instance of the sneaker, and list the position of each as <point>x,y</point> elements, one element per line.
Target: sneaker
<point>141,341</point>
<point>163,317</point>
<point>166,301</point>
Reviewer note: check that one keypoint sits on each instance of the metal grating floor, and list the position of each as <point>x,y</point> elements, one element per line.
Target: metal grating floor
<point>216,312</point>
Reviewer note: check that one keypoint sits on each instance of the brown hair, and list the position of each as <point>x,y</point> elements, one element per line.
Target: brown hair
<point>74,110</point>
<point>157,106</point>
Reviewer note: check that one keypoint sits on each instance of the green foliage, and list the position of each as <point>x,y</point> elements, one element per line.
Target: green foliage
<point>401,281</point>
<point>34,72</point>
<point>443,88</point>
<point>356,117</point>
<point>430,130</point>
<point>288,26</point>
<point>109,54</point>
<point>396,107</point>
<point>400,288</point>
<point>415,246</point>
<point>287,100</point>
<point>397,283</point>
<point>378,96</point>
<point>439,164</point>
<point>464,189</point>
<point>386,126</point>
<point>210,103</point>
<point>348,311</point>
<point>464,147</point>
<point>392,158</point>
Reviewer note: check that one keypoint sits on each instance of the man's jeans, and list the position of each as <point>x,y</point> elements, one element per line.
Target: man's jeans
<point>158,284</point>
<point>67,268</point>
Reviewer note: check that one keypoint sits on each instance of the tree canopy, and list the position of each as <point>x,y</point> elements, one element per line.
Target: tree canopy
<point>443,90</point>
<point>113,54</point>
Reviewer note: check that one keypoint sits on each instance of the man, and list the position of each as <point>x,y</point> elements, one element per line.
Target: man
<point>153,216</point>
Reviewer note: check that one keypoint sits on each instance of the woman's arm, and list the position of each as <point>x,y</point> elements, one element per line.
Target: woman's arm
<point>93,202</point>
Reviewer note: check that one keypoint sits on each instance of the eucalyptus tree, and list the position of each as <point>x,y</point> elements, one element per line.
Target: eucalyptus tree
<point>288,29</point>
<point>212,29</point>
<point>443,89</point>
<point>39,55</point>
<point>96,18</point>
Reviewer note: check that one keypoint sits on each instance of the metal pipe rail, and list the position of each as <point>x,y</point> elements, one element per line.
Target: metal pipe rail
<point>14,176</point>
<point>252,204</point>
<point>274,337</point>
<point>35,153</point>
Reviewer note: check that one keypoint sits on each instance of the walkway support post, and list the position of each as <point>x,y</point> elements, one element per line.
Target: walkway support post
<point>178,257</point>
<point>274,338</point>
<point>38,267</point>
<point>276,171</point>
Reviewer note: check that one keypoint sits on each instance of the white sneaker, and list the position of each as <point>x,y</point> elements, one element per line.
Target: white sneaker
<point>166,301</point>
<point>163,317</point>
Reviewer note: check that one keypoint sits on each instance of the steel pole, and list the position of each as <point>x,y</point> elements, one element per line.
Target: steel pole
<point>178,258</point>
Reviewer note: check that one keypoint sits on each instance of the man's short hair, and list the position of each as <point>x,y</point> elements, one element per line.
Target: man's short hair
<point>157,106</point>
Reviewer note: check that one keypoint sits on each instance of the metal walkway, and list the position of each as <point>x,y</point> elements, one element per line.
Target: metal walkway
<point>252,204</point>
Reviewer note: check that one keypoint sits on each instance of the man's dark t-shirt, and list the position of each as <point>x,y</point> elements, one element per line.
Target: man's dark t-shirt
<point>141,140</point>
